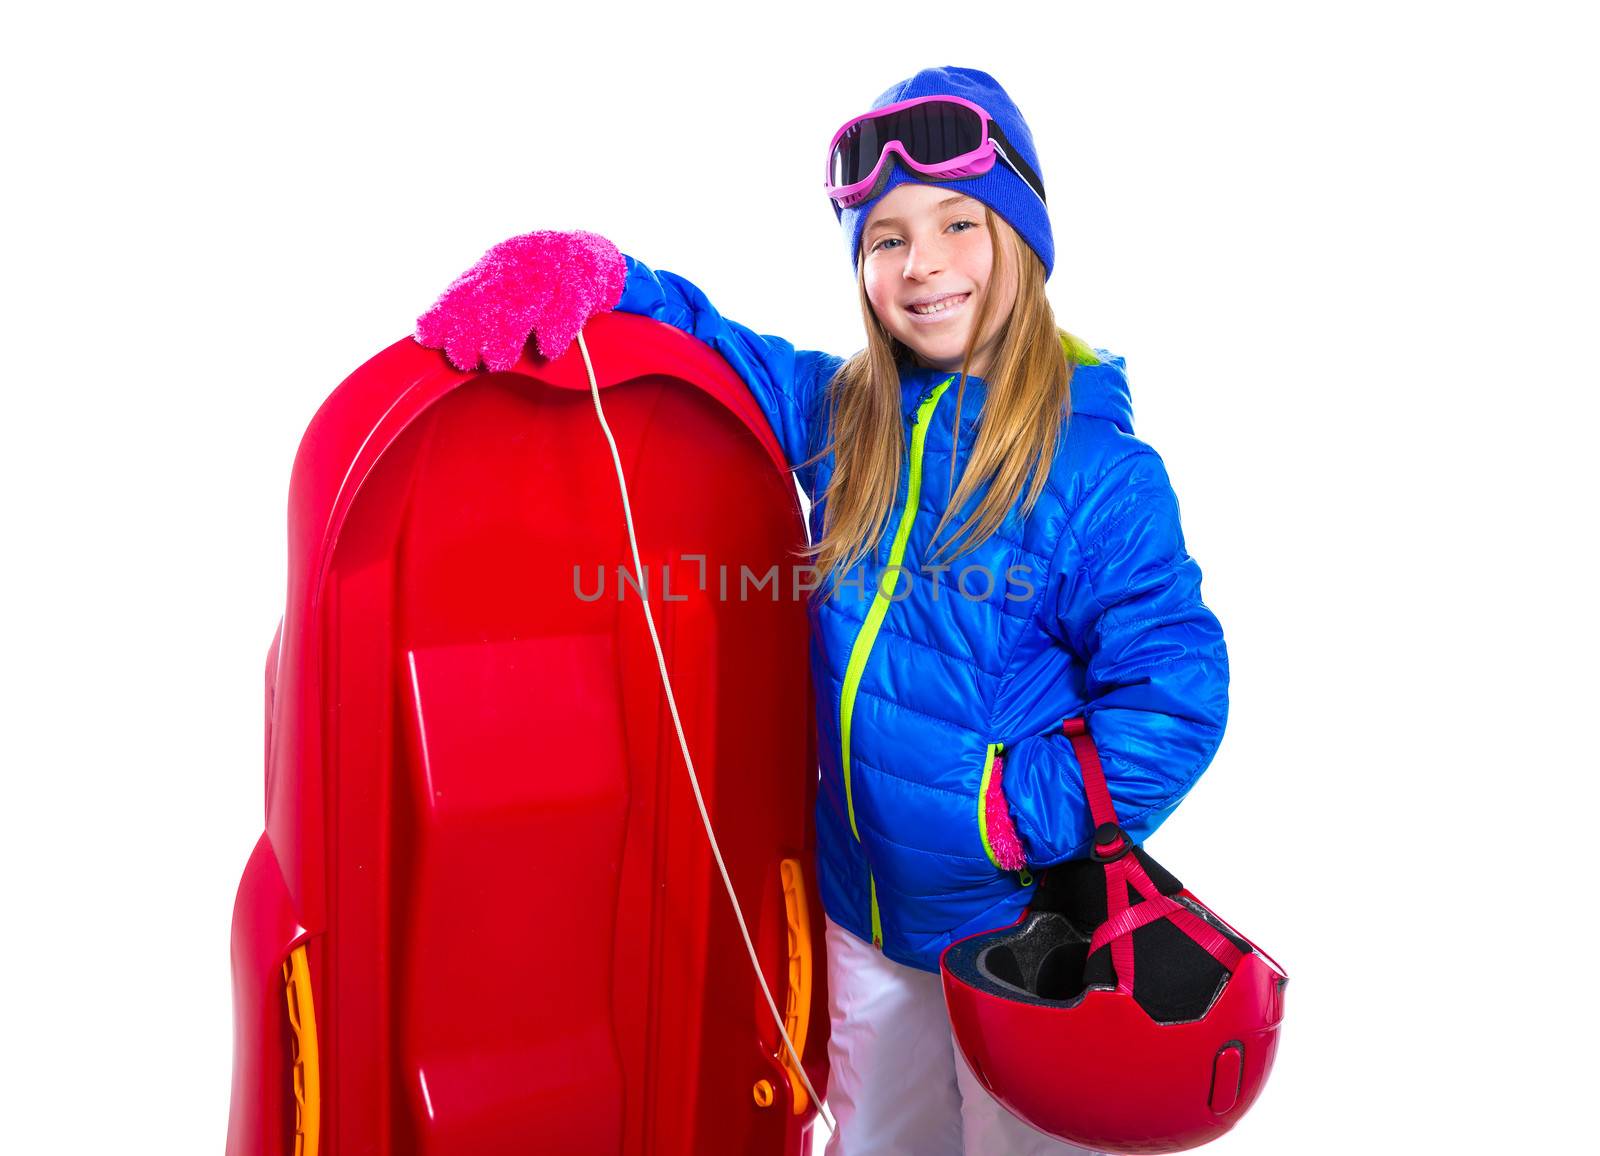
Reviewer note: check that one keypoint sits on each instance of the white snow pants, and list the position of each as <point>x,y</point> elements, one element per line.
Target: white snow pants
<point>898,1084</point>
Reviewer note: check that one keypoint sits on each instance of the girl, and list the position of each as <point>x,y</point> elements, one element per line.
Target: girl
<point>944,662</point>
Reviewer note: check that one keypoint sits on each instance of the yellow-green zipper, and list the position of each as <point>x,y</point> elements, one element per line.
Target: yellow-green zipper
<point>983,800</point>
<point>868,634</point>
<point>993,750</point>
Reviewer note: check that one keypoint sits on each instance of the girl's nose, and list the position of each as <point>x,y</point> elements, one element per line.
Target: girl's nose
<point>923,260</point>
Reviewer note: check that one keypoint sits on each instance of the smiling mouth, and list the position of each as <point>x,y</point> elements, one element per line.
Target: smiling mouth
<point>939,308</point>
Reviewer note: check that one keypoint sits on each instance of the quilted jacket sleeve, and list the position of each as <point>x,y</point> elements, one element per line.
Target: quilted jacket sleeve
<point>788,384</point>
<point>1124,595</point>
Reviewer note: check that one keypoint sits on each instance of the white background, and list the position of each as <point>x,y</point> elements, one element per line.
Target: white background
<point>1349,253</point>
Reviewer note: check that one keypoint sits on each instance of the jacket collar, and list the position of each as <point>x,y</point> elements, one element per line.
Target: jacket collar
<point>916,384</point>
<point>1097,391</point>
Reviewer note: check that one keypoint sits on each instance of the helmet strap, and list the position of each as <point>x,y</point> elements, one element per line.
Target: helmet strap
<point>1110,847</point>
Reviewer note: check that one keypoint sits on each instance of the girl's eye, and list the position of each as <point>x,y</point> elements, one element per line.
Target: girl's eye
<point>953,224</point>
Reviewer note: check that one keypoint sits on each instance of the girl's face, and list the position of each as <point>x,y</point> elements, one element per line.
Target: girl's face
<point>925,244</point>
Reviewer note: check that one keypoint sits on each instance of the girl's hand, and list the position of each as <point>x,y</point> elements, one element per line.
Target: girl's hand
<point>544,283</point>
<point>1002,832</point>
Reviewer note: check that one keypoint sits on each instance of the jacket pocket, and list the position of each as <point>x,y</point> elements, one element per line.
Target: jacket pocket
<point>1001,842</point>
<point>990,825</point>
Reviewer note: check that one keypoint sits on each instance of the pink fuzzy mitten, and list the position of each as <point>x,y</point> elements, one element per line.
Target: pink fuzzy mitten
<point>1002,832</point>
<point>545,283</point>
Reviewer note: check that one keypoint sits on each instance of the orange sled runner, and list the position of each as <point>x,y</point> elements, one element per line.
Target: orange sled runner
<point>484,916</point>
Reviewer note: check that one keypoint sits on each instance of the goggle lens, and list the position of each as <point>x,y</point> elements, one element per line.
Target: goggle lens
<point>932,133</point>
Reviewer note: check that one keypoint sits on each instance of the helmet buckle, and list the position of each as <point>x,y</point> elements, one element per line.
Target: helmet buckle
<point>1110,843</point>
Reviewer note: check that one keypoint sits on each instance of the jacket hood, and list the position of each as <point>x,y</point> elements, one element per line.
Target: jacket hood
<point>1097,390</point>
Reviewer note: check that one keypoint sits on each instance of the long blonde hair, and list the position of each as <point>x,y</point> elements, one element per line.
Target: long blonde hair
<point>1030,393</point>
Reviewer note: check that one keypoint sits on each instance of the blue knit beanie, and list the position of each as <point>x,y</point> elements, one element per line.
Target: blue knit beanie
<point>1000,188</point>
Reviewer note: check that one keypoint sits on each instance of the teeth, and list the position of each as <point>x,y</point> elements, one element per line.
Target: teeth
<point>938,306</point>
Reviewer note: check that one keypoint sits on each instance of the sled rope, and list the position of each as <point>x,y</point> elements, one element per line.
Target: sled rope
<point>672,702</point>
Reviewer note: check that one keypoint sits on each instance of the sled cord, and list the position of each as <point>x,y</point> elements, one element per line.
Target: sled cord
<point>694,781</point>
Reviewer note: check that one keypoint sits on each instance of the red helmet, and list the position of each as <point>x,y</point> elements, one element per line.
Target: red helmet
<point>1119,1012</point>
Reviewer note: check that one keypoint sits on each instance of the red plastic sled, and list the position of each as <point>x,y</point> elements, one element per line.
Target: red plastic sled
<point>484,917</point>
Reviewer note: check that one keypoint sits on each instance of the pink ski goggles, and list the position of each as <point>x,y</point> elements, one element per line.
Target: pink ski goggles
<point>941,138</point>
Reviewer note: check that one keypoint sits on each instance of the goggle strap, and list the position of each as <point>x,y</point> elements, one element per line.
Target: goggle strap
<point>1018,165</point>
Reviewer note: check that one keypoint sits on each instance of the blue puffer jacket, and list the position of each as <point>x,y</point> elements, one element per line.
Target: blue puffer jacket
<point>1090,605</point>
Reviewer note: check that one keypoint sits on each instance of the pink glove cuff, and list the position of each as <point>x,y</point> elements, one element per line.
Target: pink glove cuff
<point>997,816</point>
<point>545,283</point>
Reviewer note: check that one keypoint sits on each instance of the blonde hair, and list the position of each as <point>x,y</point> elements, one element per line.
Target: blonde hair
<point>1029,398</point>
